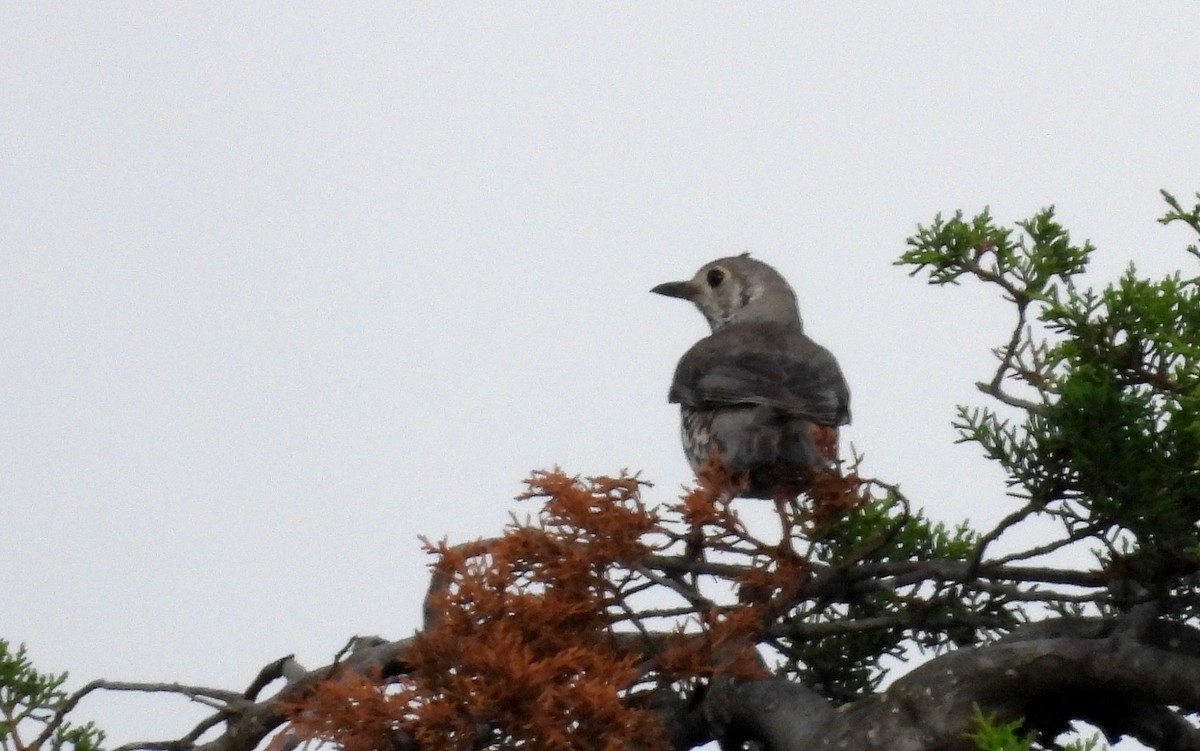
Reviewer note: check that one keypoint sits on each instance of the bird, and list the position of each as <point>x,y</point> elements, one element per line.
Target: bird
<point>757,394</point>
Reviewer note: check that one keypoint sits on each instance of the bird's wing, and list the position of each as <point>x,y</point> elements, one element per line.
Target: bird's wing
<point>790,373</point>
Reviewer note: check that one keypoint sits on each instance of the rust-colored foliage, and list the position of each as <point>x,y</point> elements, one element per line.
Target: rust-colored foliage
<point>353,710</point>
<point>833,496</point>
<point>532,639</point>
<point>723,647</point>
<point>521,651</point>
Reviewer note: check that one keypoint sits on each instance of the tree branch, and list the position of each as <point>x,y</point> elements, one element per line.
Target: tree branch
<point>932,707</point>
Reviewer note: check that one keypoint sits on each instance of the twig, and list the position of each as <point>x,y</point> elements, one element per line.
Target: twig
<point>696,599</point>
<point>1005,523</point>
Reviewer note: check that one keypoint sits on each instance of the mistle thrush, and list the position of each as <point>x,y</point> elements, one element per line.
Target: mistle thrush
<point>756,393</point>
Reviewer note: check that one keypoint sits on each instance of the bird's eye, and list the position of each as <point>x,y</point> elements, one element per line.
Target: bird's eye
<point>715,276</point>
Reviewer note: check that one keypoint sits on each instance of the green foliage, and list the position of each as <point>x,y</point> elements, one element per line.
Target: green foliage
<point>1190,217</point>
<point>1107,440</point>
<point>1026,265</point>
<point>908,535</point>
<point>991,734</point>
<point>847,663</point>
<point>33,708</point>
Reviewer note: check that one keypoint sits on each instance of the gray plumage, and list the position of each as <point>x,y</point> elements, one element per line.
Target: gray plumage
<point>757,391</point>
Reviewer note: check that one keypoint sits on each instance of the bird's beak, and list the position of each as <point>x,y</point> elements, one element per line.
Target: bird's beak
<point>682,290</point>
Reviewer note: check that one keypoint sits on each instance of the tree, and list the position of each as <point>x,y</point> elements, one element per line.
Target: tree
<point>602,622</point>
<point>34,708</point>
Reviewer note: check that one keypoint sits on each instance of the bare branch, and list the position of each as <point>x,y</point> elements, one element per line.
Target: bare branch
<point>1005,524</point>
<point>249,722</point>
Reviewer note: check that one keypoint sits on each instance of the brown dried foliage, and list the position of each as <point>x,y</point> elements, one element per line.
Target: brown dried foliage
<point>533,639</point>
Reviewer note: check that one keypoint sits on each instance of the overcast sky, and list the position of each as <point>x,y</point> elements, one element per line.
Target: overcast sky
<point>286,285</point>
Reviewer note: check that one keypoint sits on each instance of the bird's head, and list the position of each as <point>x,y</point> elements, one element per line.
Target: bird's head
<point>737,289</point>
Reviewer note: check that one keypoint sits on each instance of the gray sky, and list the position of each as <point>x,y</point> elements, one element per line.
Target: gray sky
<point>285,285</point>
